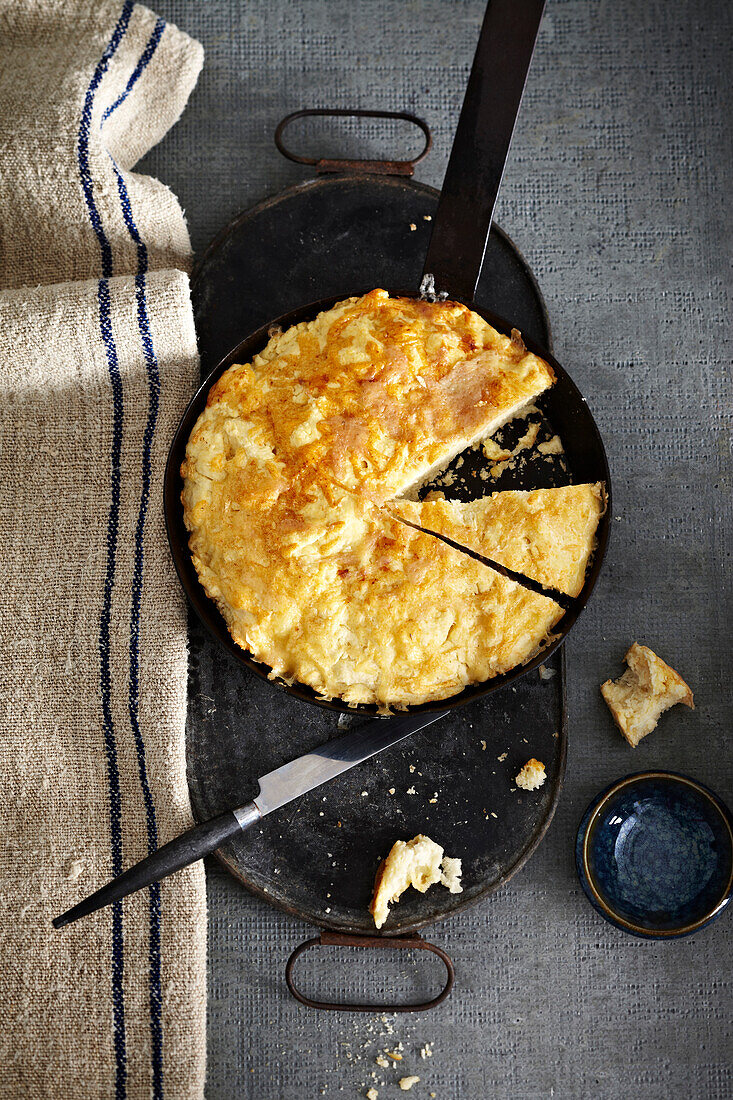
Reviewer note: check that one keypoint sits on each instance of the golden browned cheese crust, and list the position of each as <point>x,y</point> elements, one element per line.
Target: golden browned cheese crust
<point>545,534</point>
<point>377,391</point>
<point>285,473</point>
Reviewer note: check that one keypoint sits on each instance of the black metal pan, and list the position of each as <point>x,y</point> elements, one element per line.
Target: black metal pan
<point>454,260</point>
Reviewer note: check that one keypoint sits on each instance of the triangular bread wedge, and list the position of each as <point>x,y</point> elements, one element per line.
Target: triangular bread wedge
<point>545,534</point>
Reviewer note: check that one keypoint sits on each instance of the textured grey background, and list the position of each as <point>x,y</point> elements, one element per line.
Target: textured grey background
<point>618,193</point>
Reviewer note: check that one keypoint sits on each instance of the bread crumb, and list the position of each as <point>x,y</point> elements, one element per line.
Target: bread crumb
<point>411,790</point>
<point>394,1055</point>
<point>391,790</point>
<point>413,227</point>
<point>500,455</point>
<point>371,1094</point>
<point>426,1051</point>
<point>551,447</point>
<point>406,1083</point>
<point>382,1061</point>
<point>75,870</point>
<point>531,776</point>
<point>647,688</point>
<point>432,801</point>
<point>546,673</point>
<point>420,863</point>
<point>427,217</point>
<point>412,768</point>
<point>503,757</point>
<point>483,746</point>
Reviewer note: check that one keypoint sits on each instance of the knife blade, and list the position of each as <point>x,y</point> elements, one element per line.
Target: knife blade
<point>276,789</point>
<point>282,785</point>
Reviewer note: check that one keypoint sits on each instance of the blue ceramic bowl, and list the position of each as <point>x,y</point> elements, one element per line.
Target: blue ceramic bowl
<point>654,854</point>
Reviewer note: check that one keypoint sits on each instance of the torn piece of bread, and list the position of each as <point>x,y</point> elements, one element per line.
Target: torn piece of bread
<point>450,874</point>
<point>647,688</point>
<point>546,534</point>
<point>532,775</point>
<point>418,862</point>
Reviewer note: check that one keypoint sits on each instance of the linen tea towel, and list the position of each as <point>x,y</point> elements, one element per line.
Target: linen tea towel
<point>97,360</point>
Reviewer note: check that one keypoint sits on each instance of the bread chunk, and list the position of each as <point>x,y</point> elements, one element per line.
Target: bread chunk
<point>419,863</point>
<point>334,592</point>
<point>532,775</point>
<point>647,688</point>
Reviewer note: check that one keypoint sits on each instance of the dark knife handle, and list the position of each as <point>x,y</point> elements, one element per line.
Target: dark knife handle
<point>462,221</point>
<point>185,849</point>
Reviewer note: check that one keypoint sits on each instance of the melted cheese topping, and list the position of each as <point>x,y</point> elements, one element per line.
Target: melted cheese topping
<point>285,473</point>
<point>378,391</point>
<point>546,534</point>
<point>345,598</point>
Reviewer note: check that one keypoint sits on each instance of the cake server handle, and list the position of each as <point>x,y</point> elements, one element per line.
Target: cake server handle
<point>277,788</point>
<point>490,108</point>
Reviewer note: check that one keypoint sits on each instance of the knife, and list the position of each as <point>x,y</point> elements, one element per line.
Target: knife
<point>277,788</point>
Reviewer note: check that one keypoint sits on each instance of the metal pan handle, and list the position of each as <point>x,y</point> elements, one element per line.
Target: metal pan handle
<point>354,167</point>
<point>485,127</point>
<point>340,939</point>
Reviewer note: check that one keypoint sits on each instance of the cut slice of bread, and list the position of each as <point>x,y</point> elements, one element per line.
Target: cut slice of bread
<point>546,534</point>
<point>647,688</point>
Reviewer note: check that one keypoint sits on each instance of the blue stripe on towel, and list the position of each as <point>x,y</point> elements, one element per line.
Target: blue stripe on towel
<point>151,365</point>
<point>115,801</point>
<point>139,68</point>
<point>83,138</point>
<point>105,323</point>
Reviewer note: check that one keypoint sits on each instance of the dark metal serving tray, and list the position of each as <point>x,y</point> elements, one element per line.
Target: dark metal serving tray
<point>316,859</point>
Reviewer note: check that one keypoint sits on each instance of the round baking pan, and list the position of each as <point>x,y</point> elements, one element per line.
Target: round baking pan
<point>564,408</point>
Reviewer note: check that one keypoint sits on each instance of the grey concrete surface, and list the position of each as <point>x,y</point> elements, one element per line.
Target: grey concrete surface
<point>618,191</point>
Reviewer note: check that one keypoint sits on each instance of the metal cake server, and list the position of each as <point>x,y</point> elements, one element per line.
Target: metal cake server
<point>277,788</point>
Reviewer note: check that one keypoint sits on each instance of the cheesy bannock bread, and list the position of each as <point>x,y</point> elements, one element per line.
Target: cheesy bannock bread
<point>546,534</point>
<point>288,478</point>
